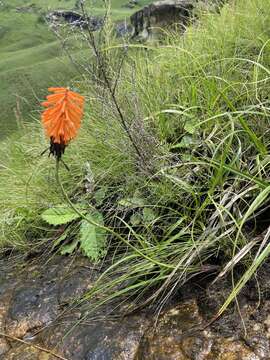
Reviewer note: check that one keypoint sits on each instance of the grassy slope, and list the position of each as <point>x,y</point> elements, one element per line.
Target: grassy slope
<point>203,106</point>
<point>95,7</point>
<point>31,57</point>
<point>29,63</point>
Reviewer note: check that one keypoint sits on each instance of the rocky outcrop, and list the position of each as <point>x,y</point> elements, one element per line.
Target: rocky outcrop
<point>161,14</point>
<point>176,336</point>
<point>37,307</point>
<point>75,19</point>
<point>164,14</point>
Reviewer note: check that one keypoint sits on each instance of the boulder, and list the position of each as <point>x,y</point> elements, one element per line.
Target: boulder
<point>75,19</point>
<point>161,14</point>
<point>123,29</point>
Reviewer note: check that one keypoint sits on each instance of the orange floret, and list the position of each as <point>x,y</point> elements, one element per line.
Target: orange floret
<point>62,117</point>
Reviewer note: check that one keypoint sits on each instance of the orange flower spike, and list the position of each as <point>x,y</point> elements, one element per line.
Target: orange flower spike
<point>62,118</point>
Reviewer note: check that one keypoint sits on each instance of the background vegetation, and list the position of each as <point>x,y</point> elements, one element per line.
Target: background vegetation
<point>190,193</point>
<point>32,57</point>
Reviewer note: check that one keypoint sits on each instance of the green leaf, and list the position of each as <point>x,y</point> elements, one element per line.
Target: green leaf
<point>100,194</point>
<point>148,215</point>
<point>59,215</point>
<point>135,219</point>
<point>69,248</point>
<point>191,126</point>
<point>185,142</point>
<point>93,238</point>
<point>59,239</point>
<point>132,202</point>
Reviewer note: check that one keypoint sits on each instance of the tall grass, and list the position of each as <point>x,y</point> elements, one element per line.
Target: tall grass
<point>193,201</point>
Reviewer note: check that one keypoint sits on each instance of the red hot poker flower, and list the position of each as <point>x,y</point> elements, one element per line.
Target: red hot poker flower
<point>62,118</point>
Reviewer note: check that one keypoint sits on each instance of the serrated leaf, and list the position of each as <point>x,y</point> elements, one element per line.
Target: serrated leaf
<point>93,238</point>
<point>59,215</point>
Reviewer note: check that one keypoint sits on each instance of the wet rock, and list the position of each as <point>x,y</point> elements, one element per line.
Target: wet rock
<point>260,345</point>
<point>257,324</point>
<point>36,312</point>
<point>97,340</point>
<point>33,305</point>
<point>7,285</point>
<point>75,285</point>
<point>227,349</point>
<point>170,339</point>
<point>25,352</point>
<point>41,296</point>
<point>253,335</point>
<point>36,305</point>
<point>4,346</point>
<point>177,335</point>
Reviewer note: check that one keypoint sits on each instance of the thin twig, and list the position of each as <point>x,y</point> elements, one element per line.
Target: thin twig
<point>33,345</point>
<point>118,73</point>
<point>99,58</point>
<point>76,65</point>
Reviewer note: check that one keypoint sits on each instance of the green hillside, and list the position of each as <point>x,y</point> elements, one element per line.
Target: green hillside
<point>31,57</point>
